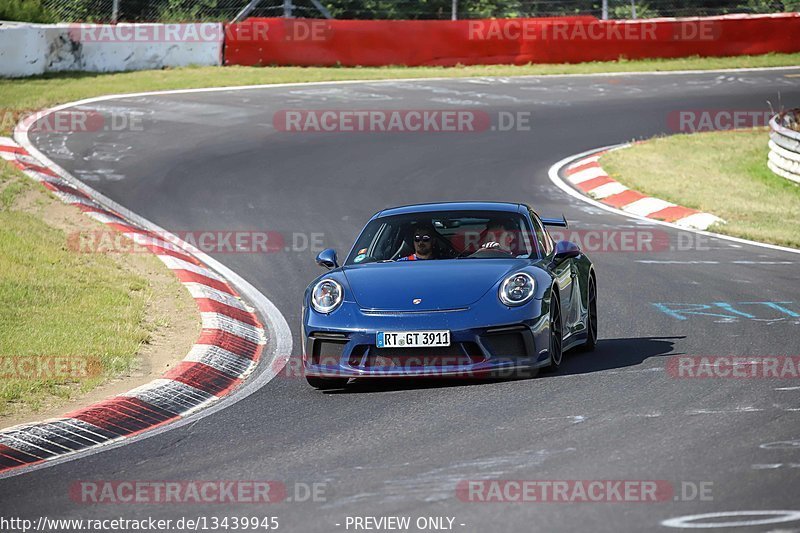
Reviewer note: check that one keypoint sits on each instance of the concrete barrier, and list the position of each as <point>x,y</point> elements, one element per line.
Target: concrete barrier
<point>31,49</point>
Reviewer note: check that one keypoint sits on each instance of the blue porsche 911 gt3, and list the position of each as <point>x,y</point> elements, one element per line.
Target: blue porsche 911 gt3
<point>449,289</point>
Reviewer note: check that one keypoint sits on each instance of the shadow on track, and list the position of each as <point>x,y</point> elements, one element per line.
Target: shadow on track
<point>616,353</point>
<point>610,354</point>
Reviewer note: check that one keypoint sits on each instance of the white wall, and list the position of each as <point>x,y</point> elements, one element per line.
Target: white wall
<point>29,49</point>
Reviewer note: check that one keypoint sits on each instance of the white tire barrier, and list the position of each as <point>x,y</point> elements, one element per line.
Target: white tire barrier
<point>784,145</point>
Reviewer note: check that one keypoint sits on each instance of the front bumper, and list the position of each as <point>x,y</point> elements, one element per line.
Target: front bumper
<point>345,346</point>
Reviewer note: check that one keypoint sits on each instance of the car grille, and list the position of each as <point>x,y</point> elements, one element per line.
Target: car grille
<point>459,353</point>
<point>509,342</point>
<point>325,349</point>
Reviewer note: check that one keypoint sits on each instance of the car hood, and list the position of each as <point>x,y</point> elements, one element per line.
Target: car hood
<point>440,284</point>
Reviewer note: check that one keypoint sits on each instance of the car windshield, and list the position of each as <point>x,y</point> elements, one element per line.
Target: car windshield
<point>444,235</point>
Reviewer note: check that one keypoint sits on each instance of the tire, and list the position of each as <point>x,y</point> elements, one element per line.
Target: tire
<point>591,317</point>
<point>326,383</point>
<point>556,334</point>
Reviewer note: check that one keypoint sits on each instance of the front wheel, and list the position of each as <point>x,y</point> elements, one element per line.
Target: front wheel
<point>326,383</point>
<point>591,317</point>
<point>556,334</point>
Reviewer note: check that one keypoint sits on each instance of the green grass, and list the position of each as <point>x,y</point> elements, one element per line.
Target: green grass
<point>724,173</point>
<point>30,94</point>
<point>58,302</point>
<point>11,187</point>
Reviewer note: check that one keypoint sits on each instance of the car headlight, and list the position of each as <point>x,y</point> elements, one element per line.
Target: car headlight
<point>517,289</point>
<point>326,296</point>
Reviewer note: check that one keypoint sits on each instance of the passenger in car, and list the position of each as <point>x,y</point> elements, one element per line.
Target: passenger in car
<point>499,234</point>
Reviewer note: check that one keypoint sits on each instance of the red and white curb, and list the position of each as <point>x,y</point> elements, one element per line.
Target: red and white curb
<point>228,350</point>
<point>587,176</point>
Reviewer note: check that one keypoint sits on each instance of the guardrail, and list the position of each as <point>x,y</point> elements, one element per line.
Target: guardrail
<point>784,145</point>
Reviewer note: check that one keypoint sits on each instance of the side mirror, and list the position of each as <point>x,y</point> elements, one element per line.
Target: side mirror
<point>327,258</point>
<point>566,250</point>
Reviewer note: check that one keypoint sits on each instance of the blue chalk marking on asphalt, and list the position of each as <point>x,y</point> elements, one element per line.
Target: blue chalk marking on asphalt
<point>676,313</point>
<point>775,305</point>
<point>728,307</point>
<point>680,310</point>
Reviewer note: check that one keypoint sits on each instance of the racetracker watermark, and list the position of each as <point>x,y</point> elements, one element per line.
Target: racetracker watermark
<point>566,31</point>
<point>632,240</point>
<point>142,523</point>
<point>288,30</point>
<point>734,367</point>
<point>49,367</point>
<point>432,365</point>
<point>157,492</point>
<point>589,241</point>
<point>128,240</point>
<point>146,33</point>
<point>281,30</point>
<point>581,491</point>
<point>73,120</point>
<point>420,364</point>
<point>292,30</point>
<point>400,121</point>
<point>699,120</point>
<point>381,121</point>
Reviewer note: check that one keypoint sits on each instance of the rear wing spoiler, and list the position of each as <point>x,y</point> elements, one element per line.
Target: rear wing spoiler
<point>558,222</point>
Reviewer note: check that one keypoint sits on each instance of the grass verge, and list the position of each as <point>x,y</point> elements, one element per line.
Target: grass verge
<point>70,321</point>
<point>56,302</point>
<point>20,96</point>
<point>724,173</point>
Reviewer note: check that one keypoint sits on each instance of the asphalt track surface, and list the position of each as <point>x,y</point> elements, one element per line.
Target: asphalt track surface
<point>214,161</point>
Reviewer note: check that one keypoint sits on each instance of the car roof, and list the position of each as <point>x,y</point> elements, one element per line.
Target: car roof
<point>507,207</point>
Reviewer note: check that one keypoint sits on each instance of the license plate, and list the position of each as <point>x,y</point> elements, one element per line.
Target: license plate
<point>412,339</point>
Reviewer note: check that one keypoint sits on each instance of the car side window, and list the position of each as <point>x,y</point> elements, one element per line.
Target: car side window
<point>542,237</point>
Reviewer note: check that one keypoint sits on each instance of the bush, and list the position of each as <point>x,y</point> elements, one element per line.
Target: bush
<point>625,11</point>
<point>193,10</point>
<point>26,11</point>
